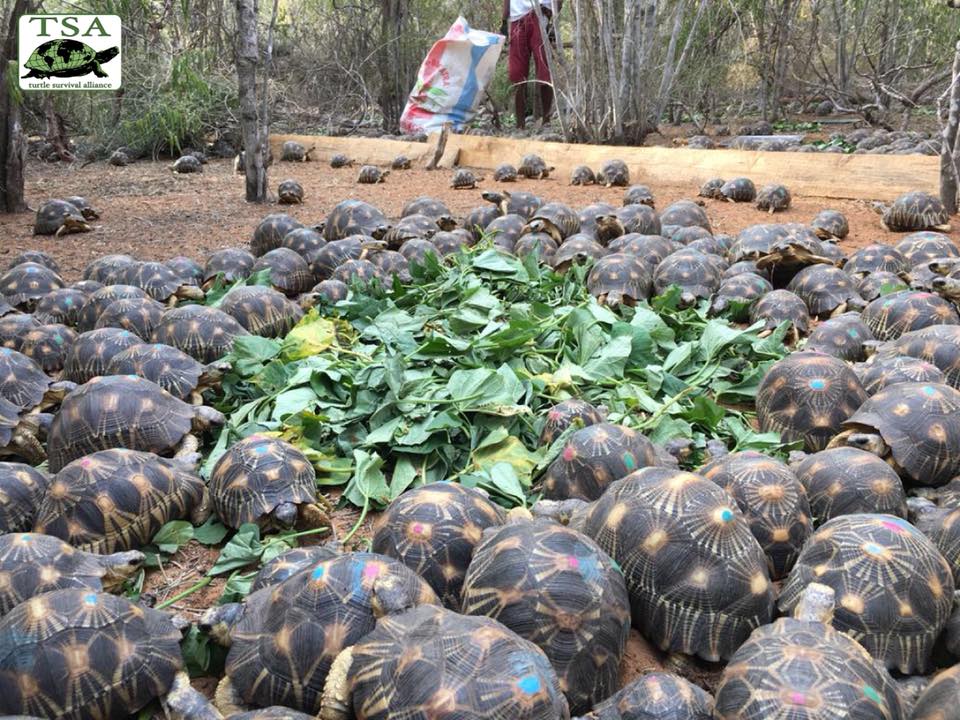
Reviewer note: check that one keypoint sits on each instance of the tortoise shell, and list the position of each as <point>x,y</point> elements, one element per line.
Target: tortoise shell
<point>572,412</point>
<point>738,294</point>
<point>556,219</point>
<point>99,300</point>
<point>806,396</point>
<point>257,475</point>
<point>18,434</point>
<point>32,564</point>
<point>830,225</point>
<point>116,412</point>
<point>916,211</point>
<point>453,242</point>
<point>34,256</point>
<point>773,197</point>
<point>92,351</point>
<point>354,217</point>
<point>533,166</point>
<point>189,271</point>
<point>506,230</point>
<point>48,346</point>
<point>894,590</point>
<point>290,192</point>
<point>656,696</point>
<point>407,665</point>
<point>400,162</point>
<point>685,213</point>
<point>890,316</point>
<point>686,235</point>
<point>619,278</point>
<point>843,337</point>
<point>103,269</point>
<point>938,345</point>
<point>639,218</point>
<point>887,370</point>
<point>391,264</point>
<point>289,272</point>
<point>478,219</point>
<point>708,245</point>
<point>848,481</point>
<point>139,316</point>
<point>505,173</point>
<point>270,232</point>
<point>357,271</point>
<point>875,258</point>
<point>333,291</point>
<point>693,272</point>
<point>289,563</point>
<point>920,424</point>
<point>261,310</point>
<point>23,285</point>
<point>463,179</point>
<point>83,205</point>
<point>77,654</point>
<point>942,526</point>
<point>21,490</point>
<point>335,253</point>
<point>115,500</point>
<point>517,202</point>
<point>757,241</point>
<point>554,587</point>
<point>155,279</point>
<point>371,175</point>
<point>582,175</point>
<point>204,333</point>
<point>938,701</point>
<point>14,327</point>
<point>433,530</point>
<point>22,380</point>
<point>231,264</point>
<point>304,241</point>
<point>739,190</point>
<point>711,189</point>
<point>588,216</point>
<point>926,246</point>
<point>173,370</point>
<point>638,195</point>
<point>652,249</point>
<point>798,669</point>
<point>594,457</point>
<point>290,634</point>
<point>697,577</point>
<point>773,501</point>
<point>409,227</point>
<point>742,267</point>
<point>416,250</point>
<point>427,206</point>
<point>60,307</point>
<point>880,283</point>
<point>614,173</point>
<point>187,164</point>
<point>339,160</point>
<point>825,289</point>
<point>292,151</point>
<point>57,217</point>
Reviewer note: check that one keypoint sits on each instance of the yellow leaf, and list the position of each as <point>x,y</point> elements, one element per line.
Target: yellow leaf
<point>312,335</point>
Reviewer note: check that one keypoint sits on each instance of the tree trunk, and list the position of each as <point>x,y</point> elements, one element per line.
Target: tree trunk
<point>392,92</point>
<point>949,148</point>
<point>56,130</point>
<point>13,147</point>
<point>248,58</point>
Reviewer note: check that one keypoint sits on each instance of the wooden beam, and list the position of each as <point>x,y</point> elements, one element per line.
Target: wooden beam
<point>364,151</point>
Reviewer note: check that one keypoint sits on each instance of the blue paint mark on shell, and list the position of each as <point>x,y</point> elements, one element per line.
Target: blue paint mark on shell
<point>318,572</point>
<point>90,598</point>
<point>530,684</point>
<point>929,391</point>
<point>726,515</point>
<point>818,384</point>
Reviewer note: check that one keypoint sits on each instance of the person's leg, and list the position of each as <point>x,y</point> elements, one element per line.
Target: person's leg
<point>542,70</point>
<point>518,66</point>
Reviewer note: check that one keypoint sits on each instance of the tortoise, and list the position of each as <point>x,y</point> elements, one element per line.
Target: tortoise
<point>925,246</point>
<point>87,287</point>
<point>685,213</point>
<point>361,272</point>
<point>619,279</point>
<point>464,179</point>
<point>657,696</point>
<point>204,333</point>
<point>337,252</point>
<point>830,225</point>
<point>427,206</point>
<point>896,620</point>
<point>159,282</point>
<point>23,382</point>
<point>739,189</point>
<point>592,213</point>
<point>890,316</point>
<point>793,247</point>
<point>23,285</point>
<point>65,58</point>
<point>555,219</point>
<point>189,271</point>
<point>290,192</point>
<point>98,301</point>
<point>533,167</point>
<point>941,526</point>
<point>18,434</point>
<point>116,500</point>
<point>556,588</point>
<point>806,396</point>
<point>844,336</point>
<point>433,530</point>
<point>938,701</point>
<point>269,482</point>
<point>48,346</point>
<point>886,370</point>
<point>289,272</point>
<point>275,712</point>
<point>306,242</point>
<point>874,258</point>
<point>124,411</point>
<point>593,458</point>
<point>60,306</point>
<point>34,256</point>
<point>105,268</point>
<point>938,345</point>
<point>354,217</point>
<point>742,267</point>
<point>451,243</point>
<point>119,158</point>
<point>652,249</point>
<point>173,370</point>
<point>540,245</point>
<point>371,175</point>
<point>606,228</point>
<point>916,211</point>
<point>416,250</point>
<point>92,351</point>
<point>773,197</point>
<point>391,264</point>
<point>880,283</point>
<point>830,249</point>
<point>339,160</point>
<point>401,162</point>
<point>270,232</point>
<point>692,272</point>
<point>31,564</point>
<point>638,195</point>
<point>261,310</point>
<point>14,327</point>
<point>925,274</point>
<point>711,189</point>
<point>290,562</point>
<point>614,173</point>
<point>187,164</point>
<point>848,481</point>
<point>738,294</point>
<point>568,413</point>
<point>407,665</point>
<point>757,241</point>
<point>688,235</point>
<point>333,291</point>
<point>505,172</point>
<point>240,161</point>
<point>409,227</point>
<point>914,427</point>
<point>827,290</point>
<point>292,151</point>
<point>516,202</point>
<point>76,653</point>
<point>582,175</point>
<point>88,211</point>
<point>58,217</point>
<point>800,667</point>
<point>507,229</point>
<point>330,605</point>
<point>230,264</point>
<point>772,500</point>
<point>21,490</point>
<point>697,577</point>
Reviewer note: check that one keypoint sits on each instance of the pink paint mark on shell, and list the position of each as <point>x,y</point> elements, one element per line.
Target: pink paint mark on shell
<point>569,453</point>
<point>86,462</point>
<point>417,529</point>
<point>572,562</point>
<point>798,698</point>
<point>371,570</point>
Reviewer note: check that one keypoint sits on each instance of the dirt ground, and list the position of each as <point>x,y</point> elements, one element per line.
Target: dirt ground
<point>153,214</point>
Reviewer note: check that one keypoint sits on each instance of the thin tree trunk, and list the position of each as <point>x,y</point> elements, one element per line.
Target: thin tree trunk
<point>949,148</point>
<point>56,130</point>
<point>13,147</point>
<point>248,57</point>
<point>670,74</point>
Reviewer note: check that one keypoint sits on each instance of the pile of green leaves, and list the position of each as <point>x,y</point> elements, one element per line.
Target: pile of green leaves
<point>449,377</point>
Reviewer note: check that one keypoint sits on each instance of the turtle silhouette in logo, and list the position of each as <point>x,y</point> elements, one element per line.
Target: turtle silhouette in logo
<point>68,58</point>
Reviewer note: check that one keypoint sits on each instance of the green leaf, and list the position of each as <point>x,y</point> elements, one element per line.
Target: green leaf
<point>243,549</point>
<point>237,587</point>
<point>705,412</point>
<point>172,535</point>
<point>368,486</point>
<point>212,532</point>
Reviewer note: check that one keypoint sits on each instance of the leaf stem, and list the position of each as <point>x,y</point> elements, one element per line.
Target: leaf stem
<point>186,593</point>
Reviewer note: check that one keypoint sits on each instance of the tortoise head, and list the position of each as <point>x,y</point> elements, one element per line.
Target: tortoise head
<point>390,595</point>
<point>218,622</point>
<point>562,511</point>
<point>499,198</point>
<point>947,287</point>
<point>816,604</point>
<point>446,223</point>
<point>285,515</point>
<point>207,418</point>
<point>73,222</point>
<point>120,566</point>
<point>872,442</point>
<point>214,372</point>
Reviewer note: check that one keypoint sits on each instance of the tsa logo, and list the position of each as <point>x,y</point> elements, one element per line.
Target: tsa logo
<point>69,52</point>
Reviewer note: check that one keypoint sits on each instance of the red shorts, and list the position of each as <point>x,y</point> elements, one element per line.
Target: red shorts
<point>525,40</point>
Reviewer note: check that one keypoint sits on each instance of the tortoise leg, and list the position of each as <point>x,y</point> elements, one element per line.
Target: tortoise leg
<point>228,700</point>
<point>27,445</point>
<point>336,692</point>
<point>839,440</point>
<point>196,398</point>
<point>182,702</point>
<point>942,228</point>
<point>312,516</point>
<point>188,451</point>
